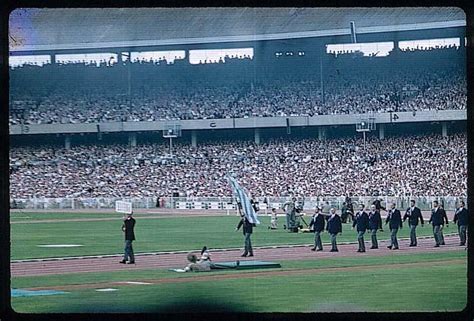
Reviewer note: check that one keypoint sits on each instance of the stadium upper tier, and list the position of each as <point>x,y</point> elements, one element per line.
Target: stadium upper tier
<point>397,166</point>
<point>151,91</point>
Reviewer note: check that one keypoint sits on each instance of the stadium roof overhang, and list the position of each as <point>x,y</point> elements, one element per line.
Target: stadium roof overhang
<point>41,30</point>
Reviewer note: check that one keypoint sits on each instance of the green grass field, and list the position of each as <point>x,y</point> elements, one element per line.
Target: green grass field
<point>390,283</point>
<point>153,234</point>
<point>393,283</point>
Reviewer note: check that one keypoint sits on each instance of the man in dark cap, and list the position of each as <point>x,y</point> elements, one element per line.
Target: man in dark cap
<point>128,228</point>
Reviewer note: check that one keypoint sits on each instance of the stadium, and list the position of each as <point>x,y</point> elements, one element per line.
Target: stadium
<point>201,120</point>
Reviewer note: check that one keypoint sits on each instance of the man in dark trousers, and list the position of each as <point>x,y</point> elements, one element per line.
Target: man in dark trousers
<point>247,231</point>
<point>317,225</point>
<point>461,217</point>
<point>361,220</point>
<point>378,205</point>
<point>413,214</point>
<point>444,220</point>
<point>347,213</point>
<point>436,221</point>
<point>394,218</point>
<point>128,228</point>
<point>334,226</point>
<point>375,223</point>
<point>290,209</point>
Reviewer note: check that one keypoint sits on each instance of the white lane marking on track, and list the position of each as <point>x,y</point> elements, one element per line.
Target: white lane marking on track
<point>214,250</point>
<point>106,290</point>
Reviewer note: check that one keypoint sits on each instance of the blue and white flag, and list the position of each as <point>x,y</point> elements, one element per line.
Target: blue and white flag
<point>244,200</point>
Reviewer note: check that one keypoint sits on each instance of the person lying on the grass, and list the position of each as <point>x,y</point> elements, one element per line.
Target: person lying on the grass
<point>202,265</point>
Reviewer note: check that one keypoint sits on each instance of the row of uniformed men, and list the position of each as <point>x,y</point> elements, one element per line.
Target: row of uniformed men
<point>372,221</point>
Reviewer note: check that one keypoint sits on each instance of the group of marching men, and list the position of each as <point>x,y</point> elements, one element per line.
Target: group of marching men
<point>372,221</point>
<point>332,223</point>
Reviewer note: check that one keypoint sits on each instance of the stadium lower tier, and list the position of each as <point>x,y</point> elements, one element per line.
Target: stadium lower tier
<point>411,165</point>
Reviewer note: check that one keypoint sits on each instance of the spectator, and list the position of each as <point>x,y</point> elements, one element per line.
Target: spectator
<point>296,167</point>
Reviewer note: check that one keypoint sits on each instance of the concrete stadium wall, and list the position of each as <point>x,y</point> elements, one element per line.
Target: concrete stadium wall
<point>240,123</point>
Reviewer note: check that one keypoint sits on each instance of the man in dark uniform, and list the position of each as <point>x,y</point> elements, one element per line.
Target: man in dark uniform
<point>290,209</point>
<point>436,220</point>
<point>461,217</point>
<point>443,220</point>
<point>413,214</point>
<point>375,223</point>
<point>394,217</point>
<point>255,204</point>
<point>247,231</point>
<point>334,227</point>
<point>350,206</point>
<point>317,225</point>
<point>378,205</point>
<point>361,220</point>
<point>347,214</point>
<point>128,228</point>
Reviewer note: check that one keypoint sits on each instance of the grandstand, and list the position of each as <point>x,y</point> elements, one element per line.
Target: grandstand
<point>308,80</point>
<point>156,107</point>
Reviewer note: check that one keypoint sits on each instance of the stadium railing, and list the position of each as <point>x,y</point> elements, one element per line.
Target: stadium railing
<point>224,203</point>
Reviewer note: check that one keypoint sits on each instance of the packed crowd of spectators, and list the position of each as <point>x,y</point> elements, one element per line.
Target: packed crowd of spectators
<point>77,93</point>
<point>397,166</point>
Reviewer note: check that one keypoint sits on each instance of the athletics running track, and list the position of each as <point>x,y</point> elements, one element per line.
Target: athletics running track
<point>164,260</point>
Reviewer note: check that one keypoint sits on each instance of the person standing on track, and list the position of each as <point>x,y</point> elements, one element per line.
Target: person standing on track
<point>444,219</point>
<point>436,221</point>
<point>247,231</point>
<point>375,223</point>
<point>361,220</point>
<point>413,214</point>
<point>461,217</point>
<point>394,217</point>
<point>317,225</point>
<point>128,228</point>
<point>334,227</point>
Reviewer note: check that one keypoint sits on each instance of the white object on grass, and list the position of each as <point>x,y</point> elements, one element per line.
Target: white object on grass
<point>106,290</point>
<point>59,245</point>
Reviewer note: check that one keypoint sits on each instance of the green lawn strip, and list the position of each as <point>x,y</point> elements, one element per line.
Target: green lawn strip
<point>164,234</point>
<point>414,288</point>
<point>157,274</point>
